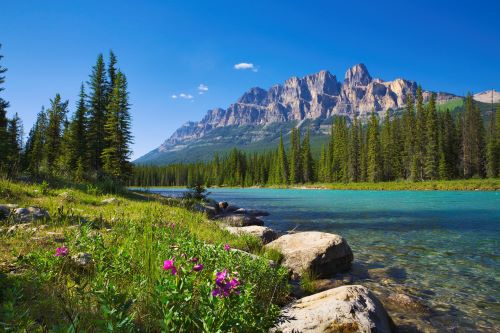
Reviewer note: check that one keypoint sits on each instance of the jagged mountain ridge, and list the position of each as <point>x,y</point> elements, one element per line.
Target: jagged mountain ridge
<point>313,97</point>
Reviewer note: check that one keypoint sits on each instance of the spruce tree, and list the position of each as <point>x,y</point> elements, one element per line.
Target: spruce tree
<point>374,163</point>
<point>3,122</point>
<point>53,142</point>
<point>281,163</point>
<point>307,160</point>
<point>14,146</point>
<point>473,140</point>
<point>420,138</point>
<point>354,151</point>
<point>115,155</point>
<point>77,138</point>
<point>294,157</point>
<point>36,153</point>
<point>97,103</point>
<point>431,157</point>
<point>492,147</point>
<point>408,136</point>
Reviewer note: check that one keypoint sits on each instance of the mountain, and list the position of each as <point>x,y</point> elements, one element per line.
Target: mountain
<point>252,121</point>
<point>488,96</point>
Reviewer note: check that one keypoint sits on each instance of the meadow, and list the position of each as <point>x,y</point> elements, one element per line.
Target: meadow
<point>155,266</point>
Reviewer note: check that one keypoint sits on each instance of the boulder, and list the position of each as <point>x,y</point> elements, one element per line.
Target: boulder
<point>30,214</point>
<point>5,210</point>
<point>265,234</point>
<point>321,253</point>
<point>411,303</point>
<point>223,205</point>
<point>343,309</point>
<point>231,209</point>
<point>211,211</point>
<point>110,201</point>
<point>241,220</point>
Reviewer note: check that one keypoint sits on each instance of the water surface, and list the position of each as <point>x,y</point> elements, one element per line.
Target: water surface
<point>444,245</point>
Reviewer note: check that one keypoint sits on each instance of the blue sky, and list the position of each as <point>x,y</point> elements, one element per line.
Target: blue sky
<point>171,48</point>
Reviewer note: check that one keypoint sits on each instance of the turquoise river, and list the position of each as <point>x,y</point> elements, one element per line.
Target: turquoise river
<point>441,246</point>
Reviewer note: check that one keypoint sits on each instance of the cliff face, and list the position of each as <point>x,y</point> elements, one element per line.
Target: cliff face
<point>318,95</point>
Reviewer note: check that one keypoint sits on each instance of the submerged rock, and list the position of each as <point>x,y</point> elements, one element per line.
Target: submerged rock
<point>321,253</point>
<point>265,234</point>
<point>342,309</point>
<point>252,212</point>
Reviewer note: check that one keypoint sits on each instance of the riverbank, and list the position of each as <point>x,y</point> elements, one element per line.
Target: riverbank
<point>76,259</point>
<point>490,184</point>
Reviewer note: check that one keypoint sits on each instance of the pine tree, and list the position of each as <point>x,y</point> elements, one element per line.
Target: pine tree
<point>36,151</point>
<point>492,150</point>
<point>3,122</point>
<point>420,138</point>
<point>307,160</point>
<point>295,173</point>
<point>281,164</point>
<point>354,151</point>
<point>374,163</point>
<point>53,142</point>
<point>14,145</point>
<point>97,113</point>
<point>77,137</point>
<point>431,151</point>
<point>408,137</point>
<point>473,140</point>
<point>116,154</point>
<point>386,148</point>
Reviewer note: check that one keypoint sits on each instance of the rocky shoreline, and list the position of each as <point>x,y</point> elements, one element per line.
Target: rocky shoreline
<point>347,297</point>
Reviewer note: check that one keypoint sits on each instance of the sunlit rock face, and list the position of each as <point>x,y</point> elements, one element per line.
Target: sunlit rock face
<point>318,95</point>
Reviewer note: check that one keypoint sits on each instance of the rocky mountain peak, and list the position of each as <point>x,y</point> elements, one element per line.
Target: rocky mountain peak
<point>357,75</point>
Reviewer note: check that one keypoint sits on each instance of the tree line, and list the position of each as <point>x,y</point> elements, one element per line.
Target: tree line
<point>421,144</point>
<point>91,145</point>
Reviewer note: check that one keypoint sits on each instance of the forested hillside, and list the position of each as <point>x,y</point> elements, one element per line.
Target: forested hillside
<point>422,143</point>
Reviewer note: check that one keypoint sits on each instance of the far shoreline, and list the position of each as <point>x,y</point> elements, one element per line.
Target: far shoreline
<point>483,185</point>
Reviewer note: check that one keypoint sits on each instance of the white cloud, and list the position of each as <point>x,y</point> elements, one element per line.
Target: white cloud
<point>202,88</point>
<point>246,65</point>
<point>185,96</point>
<point>174,96</point>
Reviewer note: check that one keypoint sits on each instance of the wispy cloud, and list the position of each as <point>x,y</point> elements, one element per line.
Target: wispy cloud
<point>174,96</point>
<point>202,88</point>
<point>246,65</point>
<point>185,96</point>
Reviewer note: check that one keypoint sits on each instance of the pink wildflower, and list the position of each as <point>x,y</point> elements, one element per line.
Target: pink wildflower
<point>225,285</point>
<point>168,265</point>
<point>62,251</point>
<point>227,247</point>
<point>198,267</point>
<point>195,259</point>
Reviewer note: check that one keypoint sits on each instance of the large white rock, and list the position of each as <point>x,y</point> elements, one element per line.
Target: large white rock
<point>265,234</point>
<point>343,309</point>
<point>322,253</point>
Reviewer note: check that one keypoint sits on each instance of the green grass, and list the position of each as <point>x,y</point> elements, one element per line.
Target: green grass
<point>126,288</point>
<point>490,184</point>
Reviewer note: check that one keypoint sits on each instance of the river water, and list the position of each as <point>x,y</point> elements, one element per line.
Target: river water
<point>440,246</point>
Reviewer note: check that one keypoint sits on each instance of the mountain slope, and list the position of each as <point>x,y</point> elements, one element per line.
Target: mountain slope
<point>259,115</point>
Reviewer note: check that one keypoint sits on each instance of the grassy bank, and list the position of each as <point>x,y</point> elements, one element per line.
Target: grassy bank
<point>490,184</point>
<point>131,283</point>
